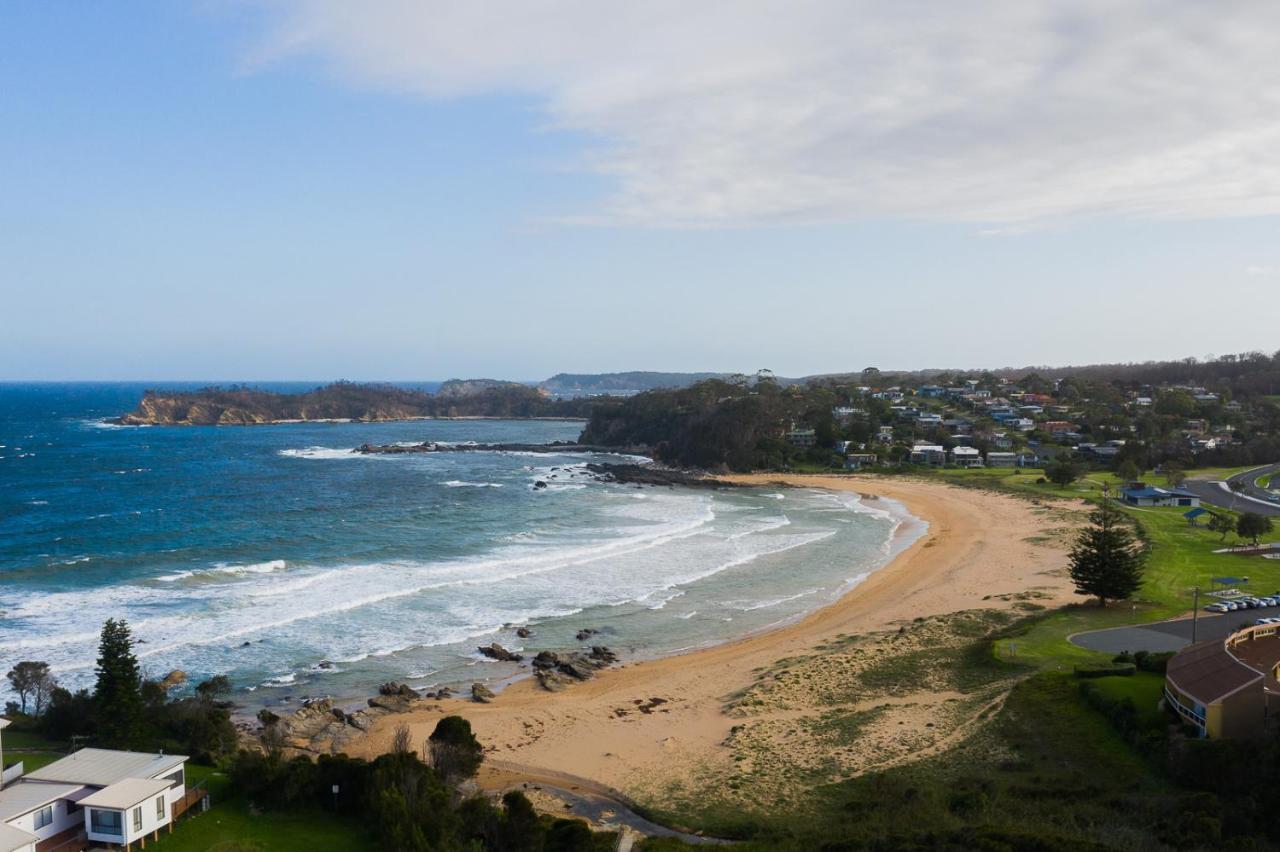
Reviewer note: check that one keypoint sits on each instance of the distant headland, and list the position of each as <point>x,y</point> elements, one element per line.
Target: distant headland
<point>350,401</point>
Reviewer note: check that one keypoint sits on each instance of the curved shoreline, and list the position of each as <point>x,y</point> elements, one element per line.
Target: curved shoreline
<point>975,550</point>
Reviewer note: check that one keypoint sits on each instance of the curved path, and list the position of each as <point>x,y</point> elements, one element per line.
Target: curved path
<point>1250,499</point>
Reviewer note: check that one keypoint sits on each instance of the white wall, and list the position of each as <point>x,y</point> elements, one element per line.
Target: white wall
<point>62,820</point>
<point>150,822</point>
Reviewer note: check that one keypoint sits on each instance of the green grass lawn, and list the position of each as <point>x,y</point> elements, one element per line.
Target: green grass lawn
<point>1181,557</point>
<point>229,822</point>
<point>229,825</point>
<point>1145,689</point>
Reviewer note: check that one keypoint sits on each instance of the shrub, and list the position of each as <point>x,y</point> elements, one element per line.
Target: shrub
<point>1089,670</point>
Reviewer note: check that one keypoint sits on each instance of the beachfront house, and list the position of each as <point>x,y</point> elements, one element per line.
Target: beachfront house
<point>929,454</point>
<point>801,436</point>
<point>94,797</point>
<point>857,461</point>
<point>1146,495</point>
<point>1002,459</point>
<point>966,457</point>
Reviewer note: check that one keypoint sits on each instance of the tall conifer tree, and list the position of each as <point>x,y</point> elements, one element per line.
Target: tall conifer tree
<point>1106,560</point>
<point>118,692</point>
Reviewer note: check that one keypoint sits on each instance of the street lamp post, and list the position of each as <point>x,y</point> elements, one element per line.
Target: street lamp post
<point>1195,614</point>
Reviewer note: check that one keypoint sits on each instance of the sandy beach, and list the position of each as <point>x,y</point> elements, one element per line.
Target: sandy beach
<point>643,726</point>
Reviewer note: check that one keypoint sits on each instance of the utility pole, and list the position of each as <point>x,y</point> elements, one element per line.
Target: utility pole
<point>1195,613</point>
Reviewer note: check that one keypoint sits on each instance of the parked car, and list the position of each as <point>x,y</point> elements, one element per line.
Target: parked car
<point>1217,607</point>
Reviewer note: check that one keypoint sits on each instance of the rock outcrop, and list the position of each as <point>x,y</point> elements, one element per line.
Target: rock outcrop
<point>497,652</point>
<point>481,693</point>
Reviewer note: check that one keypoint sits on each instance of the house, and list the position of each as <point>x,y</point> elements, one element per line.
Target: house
<point>927,419</point>
<point>995,459</point>
<point>94,795</point>
<point>801,437</point>
<point>857,461</point>
<point>1145,495</point>
<point>933,391</point>
<point>966,457</point>
<point>930,454</point>
<point>1054,427</point>
<point>1221,687</point>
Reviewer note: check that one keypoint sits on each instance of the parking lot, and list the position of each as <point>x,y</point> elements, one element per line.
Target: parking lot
<point>1173,635</point>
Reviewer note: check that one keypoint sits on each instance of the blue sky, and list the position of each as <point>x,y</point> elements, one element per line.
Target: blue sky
<point>227,190</point>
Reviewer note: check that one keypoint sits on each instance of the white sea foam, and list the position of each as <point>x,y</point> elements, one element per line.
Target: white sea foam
<point>458,483</point>
<point>620,552</point>
<point>321,453</point>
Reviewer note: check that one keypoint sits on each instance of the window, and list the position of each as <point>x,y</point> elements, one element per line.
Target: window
<point>137,818</point>
<point>105,822</point>
<point>44,817</point>
<point>160,809</point>
<point>175,779</point>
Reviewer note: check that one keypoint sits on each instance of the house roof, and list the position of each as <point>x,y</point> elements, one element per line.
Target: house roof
<point>126,793</point>
<point>1153,492</point>
<point>12,838</point>
<point>1208,672</point>
<point>100,767</point>
<point>1195,513</point>
<point>25,796</point>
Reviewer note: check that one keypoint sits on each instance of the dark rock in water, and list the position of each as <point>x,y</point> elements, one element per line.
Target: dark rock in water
<point>445,692</point>
<point>577,666</point>
<point>245,644</point>
<point>644,474</point>
<point>497,652</point>
<point>481,693</point>
<point>539,484</point>
<point>324,664</point>
<point>524,632</point>
<point>586,633</point>
<point>546,660</point>
<point>402,690</point>
<point>602,654</point>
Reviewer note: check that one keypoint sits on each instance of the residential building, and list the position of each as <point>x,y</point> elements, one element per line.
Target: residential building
<point>1147,495</point>
<point>801,436</point>
<point>857,461</point>
<point>1002,459</point>
<point>930,454</point>
<point>97,796</point>
<point>966,457</point>
<point>1224,688</point>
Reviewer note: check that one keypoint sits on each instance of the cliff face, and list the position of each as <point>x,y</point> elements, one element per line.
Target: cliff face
<point>346,401</point>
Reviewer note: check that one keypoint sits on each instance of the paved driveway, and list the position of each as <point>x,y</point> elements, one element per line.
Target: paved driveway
<point>1169,635</point>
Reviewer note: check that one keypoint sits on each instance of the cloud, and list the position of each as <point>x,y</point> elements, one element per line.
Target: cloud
<point>732,112</point>
<point>1262,271</point>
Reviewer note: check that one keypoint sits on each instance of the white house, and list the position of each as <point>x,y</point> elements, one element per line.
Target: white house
<point>93,795</point>
<point>966,457</point>
<point>1146,495</point>
<point>995,459</point>
<point>930,454</point>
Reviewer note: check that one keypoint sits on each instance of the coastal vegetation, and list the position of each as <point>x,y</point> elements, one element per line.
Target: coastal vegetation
<point>242,405</point>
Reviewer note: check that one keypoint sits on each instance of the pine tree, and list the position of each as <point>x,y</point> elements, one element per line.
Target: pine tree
<point>118,693</point>
<point>1106,560</point>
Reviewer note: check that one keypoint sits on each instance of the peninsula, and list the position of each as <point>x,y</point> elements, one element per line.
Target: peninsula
<point>348,401</point>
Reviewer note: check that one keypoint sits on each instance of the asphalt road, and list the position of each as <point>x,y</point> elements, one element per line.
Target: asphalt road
<point>1170,635</point>
<point>1251,499</point>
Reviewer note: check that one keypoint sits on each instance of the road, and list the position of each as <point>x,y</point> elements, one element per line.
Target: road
<point>1251,499</point>
<point>1168,635</point>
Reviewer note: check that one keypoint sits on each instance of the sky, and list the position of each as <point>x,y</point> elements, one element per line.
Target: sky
<point>320,189</point>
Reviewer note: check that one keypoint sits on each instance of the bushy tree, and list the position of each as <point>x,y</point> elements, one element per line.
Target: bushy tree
<point>1253,526</point>
<point>32,679</point>
<point>1062,472</point>
<point>118,691</point>
<point>1222,524</point>
<point>455,752</point>
<point>1106,560</point>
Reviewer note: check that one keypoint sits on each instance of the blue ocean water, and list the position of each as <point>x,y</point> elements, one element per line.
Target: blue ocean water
<point>276,556</point>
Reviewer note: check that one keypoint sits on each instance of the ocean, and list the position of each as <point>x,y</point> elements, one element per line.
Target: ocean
<point>274,555</point>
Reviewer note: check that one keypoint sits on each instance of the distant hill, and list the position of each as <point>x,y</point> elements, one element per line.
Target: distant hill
<point>348,401</point>
<point>594,384</point>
